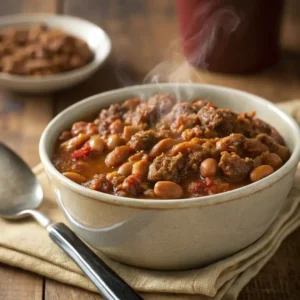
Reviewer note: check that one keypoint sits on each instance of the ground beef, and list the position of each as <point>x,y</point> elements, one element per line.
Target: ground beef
<point>144,114</point>
<point>99,183</point>
<point>233,143</point>
<point>261,127</point>
<point>166,167</point>
<point>282,151</point>
<point>197,188</point>
<point>181,111</point>
<point>149,113</point>
<point>115,178</point>
<point>165,133</point>
<point>112,113</point>
<point>108,116</point>
<point>244,124</point>
<point>143,140</point>
<point>190,133</point>
<point>202,187</point>
<point>277,137</point>
<point>208,149</point>
<point>254,147</point>
<point>195,159</point>
<point>233,167</point>
<point>182,108</point>
<point>163,103</point>
<point>221,120</point>
<point>185,121</point>
<point>131,104</point>
<point>244,147</point>
<point>198,104</point>
<point>132,186</point>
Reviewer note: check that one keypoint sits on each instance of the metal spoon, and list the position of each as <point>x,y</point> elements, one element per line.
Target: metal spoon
<point>21,194</point>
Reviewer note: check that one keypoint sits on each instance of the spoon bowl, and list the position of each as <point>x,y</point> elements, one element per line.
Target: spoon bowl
<point>21,193</point>
<point>20,190</point>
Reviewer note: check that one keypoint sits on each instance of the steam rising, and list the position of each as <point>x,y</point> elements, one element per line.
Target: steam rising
<point>220,22</point>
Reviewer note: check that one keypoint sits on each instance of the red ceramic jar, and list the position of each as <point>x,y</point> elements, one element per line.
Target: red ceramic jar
<point>231,36</point>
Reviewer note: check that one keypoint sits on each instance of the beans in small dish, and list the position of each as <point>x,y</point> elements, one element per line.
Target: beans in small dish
<point>39,50</point>
<point>162,148</point>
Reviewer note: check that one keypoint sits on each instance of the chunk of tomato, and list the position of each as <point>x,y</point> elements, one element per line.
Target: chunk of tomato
<point>80,153</point>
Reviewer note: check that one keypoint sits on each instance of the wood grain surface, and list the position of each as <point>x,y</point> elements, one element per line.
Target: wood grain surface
<point>145,41</point>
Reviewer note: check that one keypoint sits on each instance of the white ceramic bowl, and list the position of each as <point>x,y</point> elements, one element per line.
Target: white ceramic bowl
<point>95,37</point>
<point>174,234</point>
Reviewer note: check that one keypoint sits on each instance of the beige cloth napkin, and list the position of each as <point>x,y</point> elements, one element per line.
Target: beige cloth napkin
<point>26,245</point>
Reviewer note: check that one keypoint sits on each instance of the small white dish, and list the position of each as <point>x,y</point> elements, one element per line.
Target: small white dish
<point>96,38</point>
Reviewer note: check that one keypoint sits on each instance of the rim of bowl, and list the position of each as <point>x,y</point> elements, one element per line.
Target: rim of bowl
<point>172,203</point>
<point>16,19</point>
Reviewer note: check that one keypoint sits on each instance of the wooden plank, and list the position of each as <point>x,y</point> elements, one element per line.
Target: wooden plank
<point>22,119</point>
<point>280,278</point>
<point>18,284</point>
<point>38,6</point>
<point>57,291</point>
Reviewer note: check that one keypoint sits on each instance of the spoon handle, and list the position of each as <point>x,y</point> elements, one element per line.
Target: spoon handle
<point>109,284</point>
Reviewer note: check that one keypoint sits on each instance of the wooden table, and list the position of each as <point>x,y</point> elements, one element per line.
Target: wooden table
<point>141,32</point>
